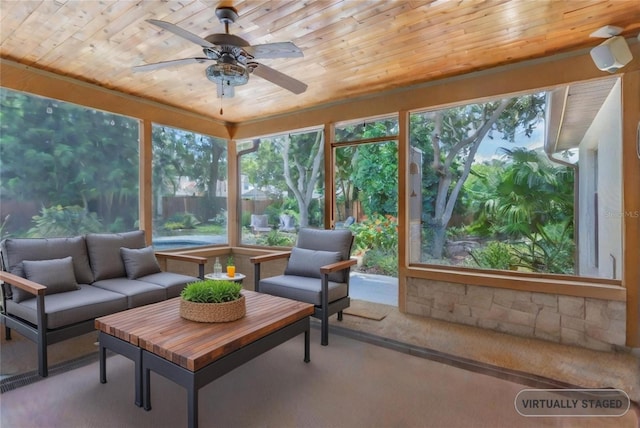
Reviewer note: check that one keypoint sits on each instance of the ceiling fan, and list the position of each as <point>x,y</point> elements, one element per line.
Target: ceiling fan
<point>233,57</point>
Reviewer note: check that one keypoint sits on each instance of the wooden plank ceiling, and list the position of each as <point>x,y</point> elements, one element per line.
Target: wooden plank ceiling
<point>351,47</point>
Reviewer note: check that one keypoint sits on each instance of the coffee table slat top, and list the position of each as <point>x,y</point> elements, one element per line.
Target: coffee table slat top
<point>158,328</point>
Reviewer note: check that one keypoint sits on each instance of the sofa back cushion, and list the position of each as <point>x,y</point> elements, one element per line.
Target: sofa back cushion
<point>104,252</point>
<point>16,250</point>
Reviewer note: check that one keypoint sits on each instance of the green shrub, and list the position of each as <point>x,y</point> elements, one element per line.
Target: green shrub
<point>211,291</point>
<point>181,221</point>
<point>380,262</point>
<point>496,255</point>
<point>64,221</point>
<point>376,232</point>
<point>220,219</point>
<point>277,239</point>
<point>172,225</point>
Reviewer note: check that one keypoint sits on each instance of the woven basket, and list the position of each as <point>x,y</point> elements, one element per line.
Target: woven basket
<point>213,312</point>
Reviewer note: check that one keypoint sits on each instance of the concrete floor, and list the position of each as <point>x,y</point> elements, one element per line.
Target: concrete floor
<point>374,288</point>
<point>563,363</point>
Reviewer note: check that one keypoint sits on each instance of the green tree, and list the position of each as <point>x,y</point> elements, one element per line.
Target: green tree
<point>455,135</point>
<point>375,175</point>
<point>529,201</point>
<point>368,172</point>
<point>178,153</point>
<point>302,169</point>
<point>288,164</point>
<point>57,153</point>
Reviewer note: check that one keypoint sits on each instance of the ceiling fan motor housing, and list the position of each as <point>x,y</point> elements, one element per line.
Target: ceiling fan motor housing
<point>234,57</point>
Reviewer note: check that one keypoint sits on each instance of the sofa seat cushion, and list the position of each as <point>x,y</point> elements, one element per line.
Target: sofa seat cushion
<point>138,293</point>
<point>172,282</point>
<point>70,307</point>
<point>104,252</point>
<point>301,288</point>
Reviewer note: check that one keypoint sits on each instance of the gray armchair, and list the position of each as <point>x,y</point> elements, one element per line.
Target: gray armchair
<point>317,272</point>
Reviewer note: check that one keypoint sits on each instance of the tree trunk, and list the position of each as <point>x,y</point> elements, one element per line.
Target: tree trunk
<point>303,190</point>
<point>439,239</point>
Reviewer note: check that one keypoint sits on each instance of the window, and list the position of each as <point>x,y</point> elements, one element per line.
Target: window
<point>189,189</point>
<point>65,169</point>
<point>282,178</point>
<point>366,129</point>
<point>488,190</point>
<point>366,190</point>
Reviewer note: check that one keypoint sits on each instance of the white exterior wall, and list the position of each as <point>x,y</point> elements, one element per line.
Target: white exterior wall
<point>602,146</point>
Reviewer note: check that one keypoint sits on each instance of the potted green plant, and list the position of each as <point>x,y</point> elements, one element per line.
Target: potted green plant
<point>212,301</point>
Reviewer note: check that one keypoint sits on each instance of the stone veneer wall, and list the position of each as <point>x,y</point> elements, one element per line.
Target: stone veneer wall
<point>590,323</point>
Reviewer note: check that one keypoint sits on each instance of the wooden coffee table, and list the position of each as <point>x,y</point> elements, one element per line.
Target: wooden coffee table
<point>193,354</point>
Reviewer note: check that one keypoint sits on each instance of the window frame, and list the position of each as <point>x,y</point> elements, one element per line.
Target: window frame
<point>570,285</point>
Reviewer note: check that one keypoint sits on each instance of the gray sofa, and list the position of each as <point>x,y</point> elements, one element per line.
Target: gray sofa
<point>54,288</point>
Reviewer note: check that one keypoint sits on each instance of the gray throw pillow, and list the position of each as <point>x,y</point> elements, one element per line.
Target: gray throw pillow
<point>139,262</point>
<point>56,274</point>
<point>308,263</point>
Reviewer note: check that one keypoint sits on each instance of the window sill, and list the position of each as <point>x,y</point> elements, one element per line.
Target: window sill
<point>605,289</point>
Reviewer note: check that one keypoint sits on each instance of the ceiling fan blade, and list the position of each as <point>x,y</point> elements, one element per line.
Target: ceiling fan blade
<point>274,50</point>
<point>171,63</point>
<point>280,79</point>
<point>181,32</point>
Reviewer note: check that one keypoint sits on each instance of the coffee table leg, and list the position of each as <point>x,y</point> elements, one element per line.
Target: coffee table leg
<point>146,388</point>
<point>192,406</point>
<point>103,363</point>
<point>307,348</point>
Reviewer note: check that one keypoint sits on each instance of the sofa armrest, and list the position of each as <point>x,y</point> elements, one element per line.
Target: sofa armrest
<point>39,291</point>
<point>200,261</point>
<point>23,283</point>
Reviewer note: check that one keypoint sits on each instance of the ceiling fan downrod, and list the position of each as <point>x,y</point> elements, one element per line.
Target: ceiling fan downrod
<point>227,15</point>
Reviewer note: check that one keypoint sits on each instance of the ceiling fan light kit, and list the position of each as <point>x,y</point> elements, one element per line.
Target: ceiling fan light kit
<point>233,56</point>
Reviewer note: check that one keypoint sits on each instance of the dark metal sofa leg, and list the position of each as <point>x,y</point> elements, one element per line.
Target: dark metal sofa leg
<point>7,333</point>
<point>339,315</point>
<point>42,357</point>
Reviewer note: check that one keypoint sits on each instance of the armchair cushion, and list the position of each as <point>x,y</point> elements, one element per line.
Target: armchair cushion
<point>304,262</point>
<point>302,288</point>
<point>56,274</point>
<point>328,240</point>
<point>139,262</point>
